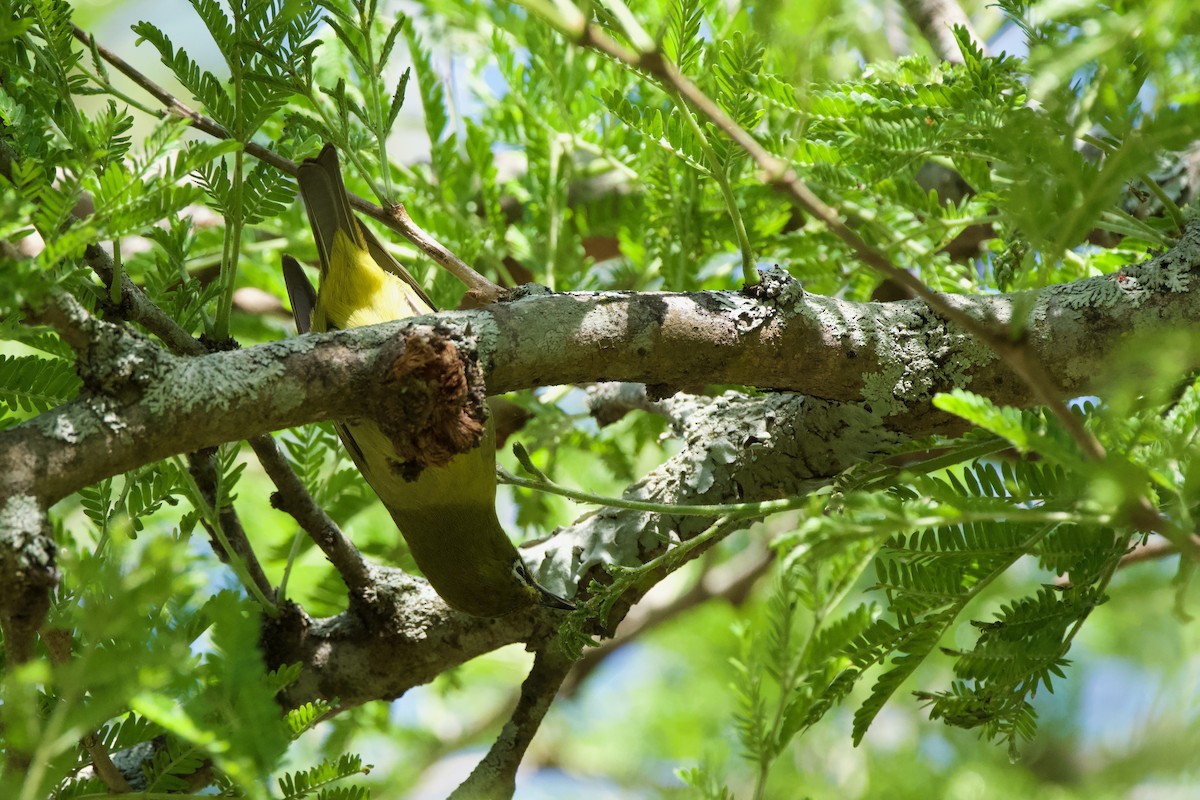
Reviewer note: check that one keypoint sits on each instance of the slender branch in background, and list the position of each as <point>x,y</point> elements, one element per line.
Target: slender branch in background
<point>292,498</point>
<point>58,645</point>
<point>496,774</point>
<point>779,173</point>
<point>395,218</point>
<point>1150,551</point>
<point>936,19</point>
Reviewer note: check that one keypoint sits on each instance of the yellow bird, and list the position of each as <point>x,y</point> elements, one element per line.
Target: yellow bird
<point>447,514</point>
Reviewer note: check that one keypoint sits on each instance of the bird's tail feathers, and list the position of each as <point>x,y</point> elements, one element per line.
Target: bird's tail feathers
<point>325,199</point>
<point>301,293</point>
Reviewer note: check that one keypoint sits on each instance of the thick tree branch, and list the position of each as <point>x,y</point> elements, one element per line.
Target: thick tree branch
<point>72,323</point>
<point>293,498</point>
<point>401,634</point>
<point>892,356</point>
<point>743,449</point>
<point>398,635</point>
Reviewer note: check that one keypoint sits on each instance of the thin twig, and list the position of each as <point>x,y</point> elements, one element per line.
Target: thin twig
<point>779,173</point>
<point>1150,551</point>
<point>395,218</point>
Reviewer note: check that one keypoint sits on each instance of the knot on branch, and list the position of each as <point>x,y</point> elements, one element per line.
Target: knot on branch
<point>433,403</point>
<point>778,285</point>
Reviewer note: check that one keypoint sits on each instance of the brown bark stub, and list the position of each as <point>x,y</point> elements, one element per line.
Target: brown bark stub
<point>434,405</point>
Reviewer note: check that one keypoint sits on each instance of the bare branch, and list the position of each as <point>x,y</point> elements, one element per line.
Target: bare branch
<point>893,356</point>
<point>1153,550</point>
<point>609,401</point>
<point>496,775</point>
<point>397,636</point>
<point>294,499</point>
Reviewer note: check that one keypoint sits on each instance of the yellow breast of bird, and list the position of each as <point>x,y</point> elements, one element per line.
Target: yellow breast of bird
<point>356,292</point>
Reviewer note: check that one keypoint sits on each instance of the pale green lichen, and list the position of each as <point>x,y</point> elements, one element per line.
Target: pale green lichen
<point>879,392</point>
<point>967,356</point>
<point>210,383</point>
<point>20,517</point>
<point>62,428</point>
<point>1133,285</point>
<point>1097,292</point>
<point>1172,277</point>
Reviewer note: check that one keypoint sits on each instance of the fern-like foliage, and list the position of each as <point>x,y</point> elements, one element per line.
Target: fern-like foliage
<point>297,785</point>
<point>32,384</point>
<point>306,716</point>
<point>788,673</point>
<point>173,763</point>
<point>663,127</point>
<point>986,552</point>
